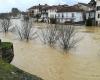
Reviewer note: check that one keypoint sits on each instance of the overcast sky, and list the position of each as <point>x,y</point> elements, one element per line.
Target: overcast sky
<point>6,5</point>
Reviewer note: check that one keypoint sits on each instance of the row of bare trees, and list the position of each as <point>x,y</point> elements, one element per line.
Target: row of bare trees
<point>61,35</point>
<point>24,31</point>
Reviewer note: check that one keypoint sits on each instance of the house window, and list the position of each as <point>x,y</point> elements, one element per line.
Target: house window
<point>32,11</point>
<point>72,15</point>
<point>98,15</point>
<point>59,15</point>
<point>51,16</point>
<point>98,8</point>
<point>62,15</point>
<point>66,15</point>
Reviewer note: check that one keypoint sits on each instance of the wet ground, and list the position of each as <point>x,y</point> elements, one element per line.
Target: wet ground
<point>81,63</point>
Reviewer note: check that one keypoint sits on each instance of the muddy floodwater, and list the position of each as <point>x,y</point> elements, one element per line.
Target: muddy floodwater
<point>81,63</point>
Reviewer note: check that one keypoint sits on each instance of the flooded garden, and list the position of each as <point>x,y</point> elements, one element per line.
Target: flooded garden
<point>50,63</point>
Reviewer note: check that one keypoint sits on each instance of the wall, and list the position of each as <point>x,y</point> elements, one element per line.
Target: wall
<point>52,13</point>
<point>67,16</point>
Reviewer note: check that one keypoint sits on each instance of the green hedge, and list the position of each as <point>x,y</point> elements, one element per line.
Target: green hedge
<point>89,22</point>
<point>7,51</point>
<point>53,20</point>
<point>6,45</point>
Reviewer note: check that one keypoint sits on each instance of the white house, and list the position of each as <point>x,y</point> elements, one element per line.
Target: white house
<point>52,11</point>
<point>70,14</point>
<point>45,10</point>
<point>48,12</point>
<point>98,12</point>
<point>33,10</point>
<point>63,13</point>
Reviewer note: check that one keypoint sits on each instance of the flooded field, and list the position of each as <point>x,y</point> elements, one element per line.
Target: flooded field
<point>81,63</point>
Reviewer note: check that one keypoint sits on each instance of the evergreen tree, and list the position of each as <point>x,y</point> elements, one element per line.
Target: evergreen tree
<point>92,3</point>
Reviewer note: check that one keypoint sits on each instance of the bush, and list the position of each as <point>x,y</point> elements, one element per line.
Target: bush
<point>26,30</point>
<point>49,35</point>
<point>89,22</point>
<point>53,20</point>
<point>63,36</point>
<point>7,51</point>
<point>5,25</point>
<point>68,22</point>
<point>67,38</point>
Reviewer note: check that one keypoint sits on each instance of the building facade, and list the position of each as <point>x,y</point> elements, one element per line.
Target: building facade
<point>63,13</point>
<point>98,12</point>
<point>70,14</point>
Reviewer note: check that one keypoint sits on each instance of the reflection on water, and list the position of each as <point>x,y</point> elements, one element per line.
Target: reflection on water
<point>82,63</point>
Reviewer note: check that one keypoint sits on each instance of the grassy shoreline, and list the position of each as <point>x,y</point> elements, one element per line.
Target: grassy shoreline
<point>9,72</point>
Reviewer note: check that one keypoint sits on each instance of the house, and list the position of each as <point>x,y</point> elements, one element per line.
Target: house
<point>52,11</point>
<point>90,14</point>
<point>89,10</point>
<point>44,12</point>
<point>69,14</point>
<point>98,12</point>
<point>82,6</point>
<point>62,13</point>
<point>34,10</point>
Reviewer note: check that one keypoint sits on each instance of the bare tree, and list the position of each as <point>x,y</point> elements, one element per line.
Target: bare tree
<point>67,38</point>
<point>49,35</point>
<point>64,36</point>
<point>5,24</point>
<point>26,30</point>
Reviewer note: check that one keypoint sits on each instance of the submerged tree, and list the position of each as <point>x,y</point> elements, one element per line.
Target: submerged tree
<point>5,24</point>
<point>64,36</point>
<point>26,30</point>
<point>67,37</point>
<point>49,35</point>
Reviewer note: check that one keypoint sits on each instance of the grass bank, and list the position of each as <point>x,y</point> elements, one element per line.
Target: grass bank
<point>9,72</point>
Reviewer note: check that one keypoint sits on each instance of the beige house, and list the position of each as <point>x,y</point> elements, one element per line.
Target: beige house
<point>82,6</point>
<point>34,10</point>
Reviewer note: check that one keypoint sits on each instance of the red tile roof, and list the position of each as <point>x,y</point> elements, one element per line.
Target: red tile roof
<point>70,9</point>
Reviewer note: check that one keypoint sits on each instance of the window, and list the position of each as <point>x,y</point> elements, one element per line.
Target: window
<point>98,15</point>
<point>59,15</point>
<point>72,15</point>
<point>98,8</point>
<point>51,16</point>
<point>66,15</point>
<point>62,15</point>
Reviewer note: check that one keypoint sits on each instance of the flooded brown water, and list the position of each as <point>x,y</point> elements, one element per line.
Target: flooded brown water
<point>81,63</point>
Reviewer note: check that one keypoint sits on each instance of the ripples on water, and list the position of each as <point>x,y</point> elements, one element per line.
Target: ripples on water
<point>81,63</point>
